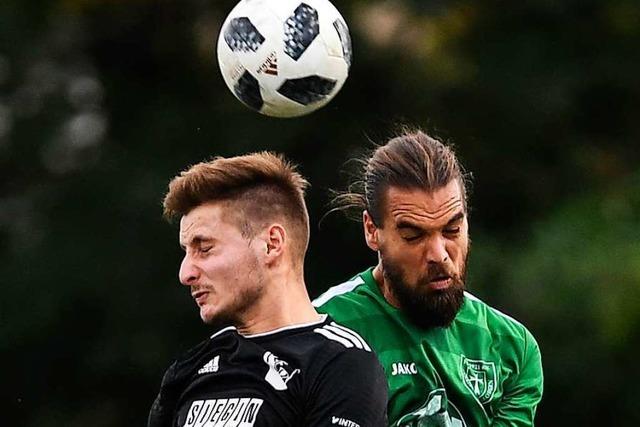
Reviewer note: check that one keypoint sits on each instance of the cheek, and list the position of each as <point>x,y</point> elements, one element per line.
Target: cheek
<point>215,266</point>
<point>221,271</point>
<point>236,270</point>
<point>458,252</point>
<point>407,258</point>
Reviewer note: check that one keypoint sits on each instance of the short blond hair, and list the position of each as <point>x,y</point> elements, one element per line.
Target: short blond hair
<point>261,186</point>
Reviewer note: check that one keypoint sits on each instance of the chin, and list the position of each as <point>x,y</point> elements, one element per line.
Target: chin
<point>207,314</point>
<point>215,318</point>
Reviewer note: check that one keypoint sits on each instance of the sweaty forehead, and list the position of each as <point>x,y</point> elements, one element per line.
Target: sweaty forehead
<point>421,205</point>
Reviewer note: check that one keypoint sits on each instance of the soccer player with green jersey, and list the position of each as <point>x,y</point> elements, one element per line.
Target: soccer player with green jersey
<point>450,359</point>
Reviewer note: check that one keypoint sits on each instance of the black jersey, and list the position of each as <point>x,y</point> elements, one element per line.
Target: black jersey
<point>319,374</point>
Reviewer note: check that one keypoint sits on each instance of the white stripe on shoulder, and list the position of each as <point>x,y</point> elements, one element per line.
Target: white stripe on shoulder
<point>344,334</point>
<point>338,290</point>
<point>330,335</point>
<point>495,310</point>
<point>355,334</point>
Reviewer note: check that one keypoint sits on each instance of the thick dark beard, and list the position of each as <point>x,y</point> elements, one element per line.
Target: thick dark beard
<point>425,308</point>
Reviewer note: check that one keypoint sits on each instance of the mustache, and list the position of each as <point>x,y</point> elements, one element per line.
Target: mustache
<point>196,288</point>
<point>437,272</point>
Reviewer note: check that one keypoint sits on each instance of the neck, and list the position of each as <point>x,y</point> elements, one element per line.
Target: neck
<point>384,286</point>
<point>284,303</point>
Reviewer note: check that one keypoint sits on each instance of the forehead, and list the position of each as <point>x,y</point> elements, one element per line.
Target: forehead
<point>419,205</point>
<point>206,220</point>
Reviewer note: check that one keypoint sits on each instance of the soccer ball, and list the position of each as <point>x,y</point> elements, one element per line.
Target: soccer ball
<point>284,58</point>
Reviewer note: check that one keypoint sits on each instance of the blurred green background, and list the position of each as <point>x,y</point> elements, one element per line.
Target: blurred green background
<point>103,101</point>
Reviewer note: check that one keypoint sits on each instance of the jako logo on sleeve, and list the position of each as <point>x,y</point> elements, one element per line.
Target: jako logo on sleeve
<point>399,368</point>
<point>223,412</point>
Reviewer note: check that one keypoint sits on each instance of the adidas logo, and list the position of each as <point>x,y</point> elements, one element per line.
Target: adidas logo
<point>211,366</point>
<point>344,336</point>
<point>270,65</point>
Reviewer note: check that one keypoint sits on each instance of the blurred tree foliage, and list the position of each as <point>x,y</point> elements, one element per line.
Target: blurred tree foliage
<point>102,102</point>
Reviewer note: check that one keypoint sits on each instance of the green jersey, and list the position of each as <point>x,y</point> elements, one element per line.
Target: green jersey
<point>483,370</point>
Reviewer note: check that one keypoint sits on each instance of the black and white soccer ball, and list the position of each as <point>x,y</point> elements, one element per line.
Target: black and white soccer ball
<point>284,58</point>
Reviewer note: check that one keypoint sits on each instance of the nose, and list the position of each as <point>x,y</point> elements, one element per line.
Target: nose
<point>189,272</point>
<point>436,250</point>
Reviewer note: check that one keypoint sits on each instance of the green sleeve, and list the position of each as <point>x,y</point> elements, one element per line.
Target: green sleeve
<point>523,392</point>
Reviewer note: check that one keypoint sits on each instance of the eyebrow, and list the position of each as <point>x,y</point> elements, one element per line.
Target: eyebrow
<point>196,240</point>
<point>457,217</point>
<point>404,225</point>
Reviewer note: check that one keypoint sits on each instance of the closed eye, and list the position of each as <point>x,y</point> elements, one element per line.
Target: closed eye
<point>409,232</point>
<point>411,237</point>
<point>453,226</point>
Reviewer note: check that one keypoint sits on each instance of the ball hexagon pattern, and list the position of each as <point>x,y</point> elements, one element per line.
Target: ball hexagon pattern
<point>284,58</point>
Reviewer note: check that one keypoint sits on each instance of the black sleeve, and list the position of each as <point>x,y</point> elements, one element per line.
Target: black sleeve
<point>163,408</point>
<point>175,379</point>
<point>351,390</point>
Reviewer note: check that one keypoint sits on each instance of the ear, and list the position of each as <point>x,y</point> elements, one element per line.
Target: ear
<point>276,238</point>
<point>370,231</point>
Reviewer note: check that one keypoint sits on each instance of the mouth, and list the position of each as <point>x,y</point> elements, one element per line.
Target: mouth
<point>440,282</point>
<point>200,296</point>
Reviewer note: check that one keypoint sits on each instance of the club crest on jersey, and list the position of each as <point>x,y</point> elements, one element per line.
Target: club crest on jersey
<point>480,377</point>
<point>279,373</point>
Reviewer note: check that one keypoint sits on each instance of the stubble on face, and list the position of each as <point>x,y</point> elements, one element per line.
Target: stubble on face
<point>229,280</point>
<point>247,291</point>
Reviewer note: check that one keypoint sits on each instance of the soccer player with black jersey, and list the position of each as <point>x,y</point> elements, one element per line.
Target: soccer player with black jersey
<point>450,359</point>
<point>271,360</point>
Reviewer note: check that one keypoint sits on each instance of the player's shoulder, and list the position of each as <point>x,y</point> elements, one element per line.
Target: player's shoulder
<point>340,338</point>
<point>187,362</point>
<point>324,335</point>
<point>352,293</point>
<point>497,323</point>
<point>345,378</point>
<point>218,338</point>
<point>342,349</point>
<point>331,342</point>
<point>318,345</point>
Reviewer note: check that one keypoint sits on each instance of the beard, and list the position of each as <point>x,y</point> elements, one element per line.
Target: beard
<point>424,307</point>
